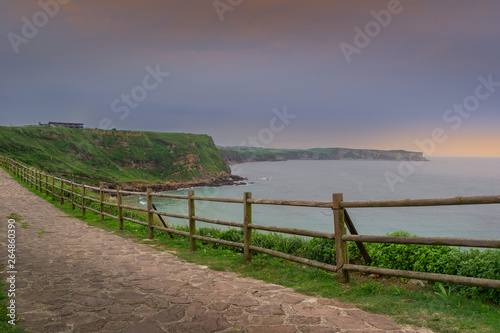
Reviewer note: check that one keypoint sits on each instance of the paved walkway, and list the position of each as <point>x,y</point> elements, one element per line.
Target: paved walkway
<point>76,278</point>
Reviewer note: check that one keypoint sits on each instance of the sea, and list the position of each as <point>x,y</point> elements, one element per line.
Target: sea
<point>358,180</point>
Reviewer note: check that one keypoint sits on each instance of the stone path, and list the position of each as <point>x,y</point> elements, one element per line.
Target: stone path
<point>76,278</point>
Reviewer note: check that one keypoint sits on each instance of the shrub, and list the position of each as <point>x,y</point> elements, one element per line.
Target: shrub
<point>322,250</point>
<point>474,263</point>
<point>394,256</point>
<point>232,235</point>
<point>441,260</point>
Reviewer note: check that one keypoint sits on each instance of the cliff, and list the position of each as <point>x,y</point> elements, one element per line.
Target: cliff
<point>133,159</point>
<point>235,155</point>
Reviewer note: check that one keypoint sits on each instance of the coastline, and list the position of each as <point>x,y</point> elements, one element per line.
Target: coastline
<point>222,179</point>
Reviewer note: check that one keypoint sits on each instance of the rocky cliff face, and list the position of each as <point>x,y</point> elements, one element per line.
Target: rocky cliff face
<point>235,156</point>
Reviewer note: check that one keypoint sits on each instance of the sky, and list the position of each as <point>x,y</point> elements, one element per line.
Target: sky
<point>414,75</point>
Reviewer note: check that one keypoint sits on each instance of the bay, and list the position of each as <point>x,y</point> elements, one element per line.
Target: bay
<point>359,180</point>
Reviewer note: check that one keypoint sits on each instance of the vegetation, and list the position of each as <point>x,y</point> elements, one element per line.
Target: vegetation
<point>113,156</point>
<point>440,307</point>
<point>421,258</point>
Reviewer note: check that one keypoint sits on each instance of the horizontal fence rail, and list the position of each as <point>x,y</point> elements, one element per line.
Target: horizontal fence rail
<point>81,196</point>
<point>470,242</point>
<point>477,200</point>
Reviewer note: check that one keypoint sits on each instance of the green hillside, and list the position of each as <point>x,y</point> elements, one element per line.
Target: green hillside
<point>114,156</point>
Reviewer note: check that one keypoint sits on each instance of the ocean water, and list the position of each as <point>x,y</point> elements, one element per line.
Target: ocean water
<point>359,180</point>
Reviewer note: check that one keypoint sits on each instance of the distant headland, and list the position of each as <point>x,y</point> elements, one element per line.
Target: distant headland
<point>236,155</point>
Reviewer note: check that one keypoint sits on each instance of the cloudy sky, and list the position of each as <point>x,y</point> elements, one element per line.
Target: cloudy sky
<point>415,75</point>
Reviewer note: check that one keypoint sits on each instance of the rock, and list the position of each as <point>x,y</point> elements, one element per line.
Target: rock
<point>420,283</point>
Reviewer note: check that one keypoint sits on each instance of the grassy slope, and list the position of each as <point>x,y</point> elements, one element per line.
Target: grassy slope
<point>113,156</point>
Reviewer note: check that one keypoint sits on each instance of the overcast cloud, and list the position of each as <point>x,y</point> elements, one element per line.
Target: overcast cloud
<point>226,77</point>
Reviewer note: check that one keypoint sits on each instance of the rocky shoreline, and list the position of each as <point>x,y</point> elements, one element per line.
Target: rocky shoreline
<point>222,179</point>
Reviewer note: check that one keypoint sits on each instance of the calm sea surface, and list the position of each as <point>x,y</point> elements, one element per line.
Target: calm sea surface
<point>359,180</point>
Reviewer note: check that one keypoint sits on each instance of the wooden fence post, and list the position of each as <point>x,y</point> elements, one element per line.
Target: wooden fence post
<point>119,206</point>
<point>101,200</point>
<point>342,255</point>
<point>192,221</point>
<point>53,188</point>
<point>38,181</point>
<point>72,195</point>
<point>151,230</point>
<point>46,182</point>
<point>247,232</point>
<point>31,178</point>
<point>83,198</point>
<point>62,192</point>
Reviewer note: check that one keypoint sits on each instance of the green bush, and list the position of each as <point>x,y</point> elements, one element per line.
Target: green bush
<point>473,263</point>
<point>442,260</point>
<point>406,257</point>
<point>232,235</point>
<point>322,250</point>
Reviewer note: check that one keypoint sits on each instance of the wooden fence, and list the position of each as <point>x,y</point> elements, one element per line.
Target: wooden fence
<point>55,187</point>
